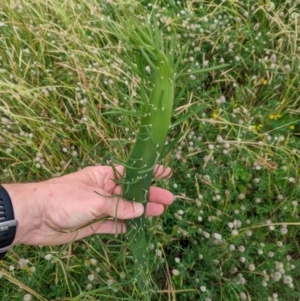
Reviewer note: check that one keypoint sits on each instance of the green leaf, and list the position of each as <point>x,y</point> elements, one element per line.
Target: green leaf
<point>170,146</point>
<point>123,112</point>
<point>203,70</point>
<point>193,111</point>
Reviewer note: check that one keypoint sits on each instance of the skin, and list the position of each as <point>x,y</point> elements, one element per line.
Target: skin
<point>68,208</point>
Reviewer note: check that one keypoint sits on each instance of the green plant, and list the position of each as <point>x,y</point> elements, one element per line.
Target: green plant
<point>156,70</point>
<point>70,97</point>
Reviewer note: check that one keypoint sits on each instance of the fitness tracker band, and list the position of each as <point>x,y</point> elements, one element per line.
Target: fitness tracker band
<point>8,224</point>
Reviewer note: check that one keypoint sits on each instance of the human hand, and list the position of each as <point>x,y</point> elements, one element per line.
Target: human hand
<point>77,205</point>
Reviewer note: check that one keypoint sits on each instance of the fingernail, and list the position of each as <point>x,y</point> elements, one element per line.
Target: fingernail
<point>138,208</point>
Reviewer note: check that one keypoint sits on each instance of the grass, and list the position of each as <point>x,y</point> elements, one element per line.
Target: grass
<point>232,233</point>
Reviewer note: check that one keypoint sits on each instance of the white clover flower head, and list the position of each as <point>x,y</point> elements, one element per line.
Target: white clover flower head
<point>158,253</point>
<point>217,236</point>
<point>292,180</point>
<point>237,223</point>
<point>242,259</point>
<point>257,200</point>
<point>48,257</point>
<point>220,139</point>
<point>31,269</point>
<point>232,247</point>
<point>222,99</point>
<point>89,286</point>
<point>233,270</point>
<point>242,249</point>
<point>273,58</point>
<point>202,288</point>
<point>206,234</point>
<point>91,277</point>
<point>234,232</point>
<point>237,58</point>
<point>294,203</point>
<point>93,261</point>
<point>27,297</point>
<point>279,244</point>
<point>175,272</point>
<point>227,145</point>
<point>279,265</point>
<point>122,275</point>
<point>243,296</point>
<point>241,280</point>
<point>287,68</point>
<point>264,283</point>
<point>6,121</point>
<point>284,230</point>
<point>205,63</point>
<point>287,280</point>
<point>218,101</point>
<point>276,276</point>
<point>23,263</point>
<point>256,26</point>
<point>177,260</point>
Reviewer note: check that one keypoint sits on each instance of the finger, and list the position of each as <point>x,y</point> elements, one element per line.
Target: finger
<point>102,227</point>
<point>120,208</point>
<point>162,172</point>
<point>119,171</point>
<point>153,209</point>
<point>159,171</point>
<point>160,196</point>
<point>156,195</point>
<point>110,226</point>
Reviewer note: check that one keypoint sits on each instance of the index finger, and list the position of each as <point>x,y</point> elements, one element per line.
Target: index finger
<point>162,172</point>
<point>159,172</point>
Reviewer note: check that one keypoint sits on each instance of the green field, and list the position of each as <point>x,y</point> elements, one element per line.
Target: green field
<point>233,231</point>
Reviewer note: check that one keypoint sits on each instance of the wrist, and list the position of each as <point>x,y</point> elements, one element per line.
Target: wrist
<point>26,208</point>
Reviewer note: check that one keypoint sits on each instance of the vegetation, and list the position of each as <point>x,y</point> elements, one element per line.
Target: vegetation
<point>70,97</point>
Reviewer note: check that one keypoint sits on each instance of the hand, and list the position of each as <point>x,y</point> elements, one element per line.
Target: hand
<point>67,208</point>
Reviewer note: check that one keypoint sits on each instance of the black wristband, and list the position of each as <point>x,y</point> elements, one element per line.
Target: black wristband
<point>8,224</point>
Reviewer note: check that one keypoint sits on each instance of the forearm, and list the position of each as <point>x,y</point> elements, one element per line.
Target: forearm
<point>26,207</point>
